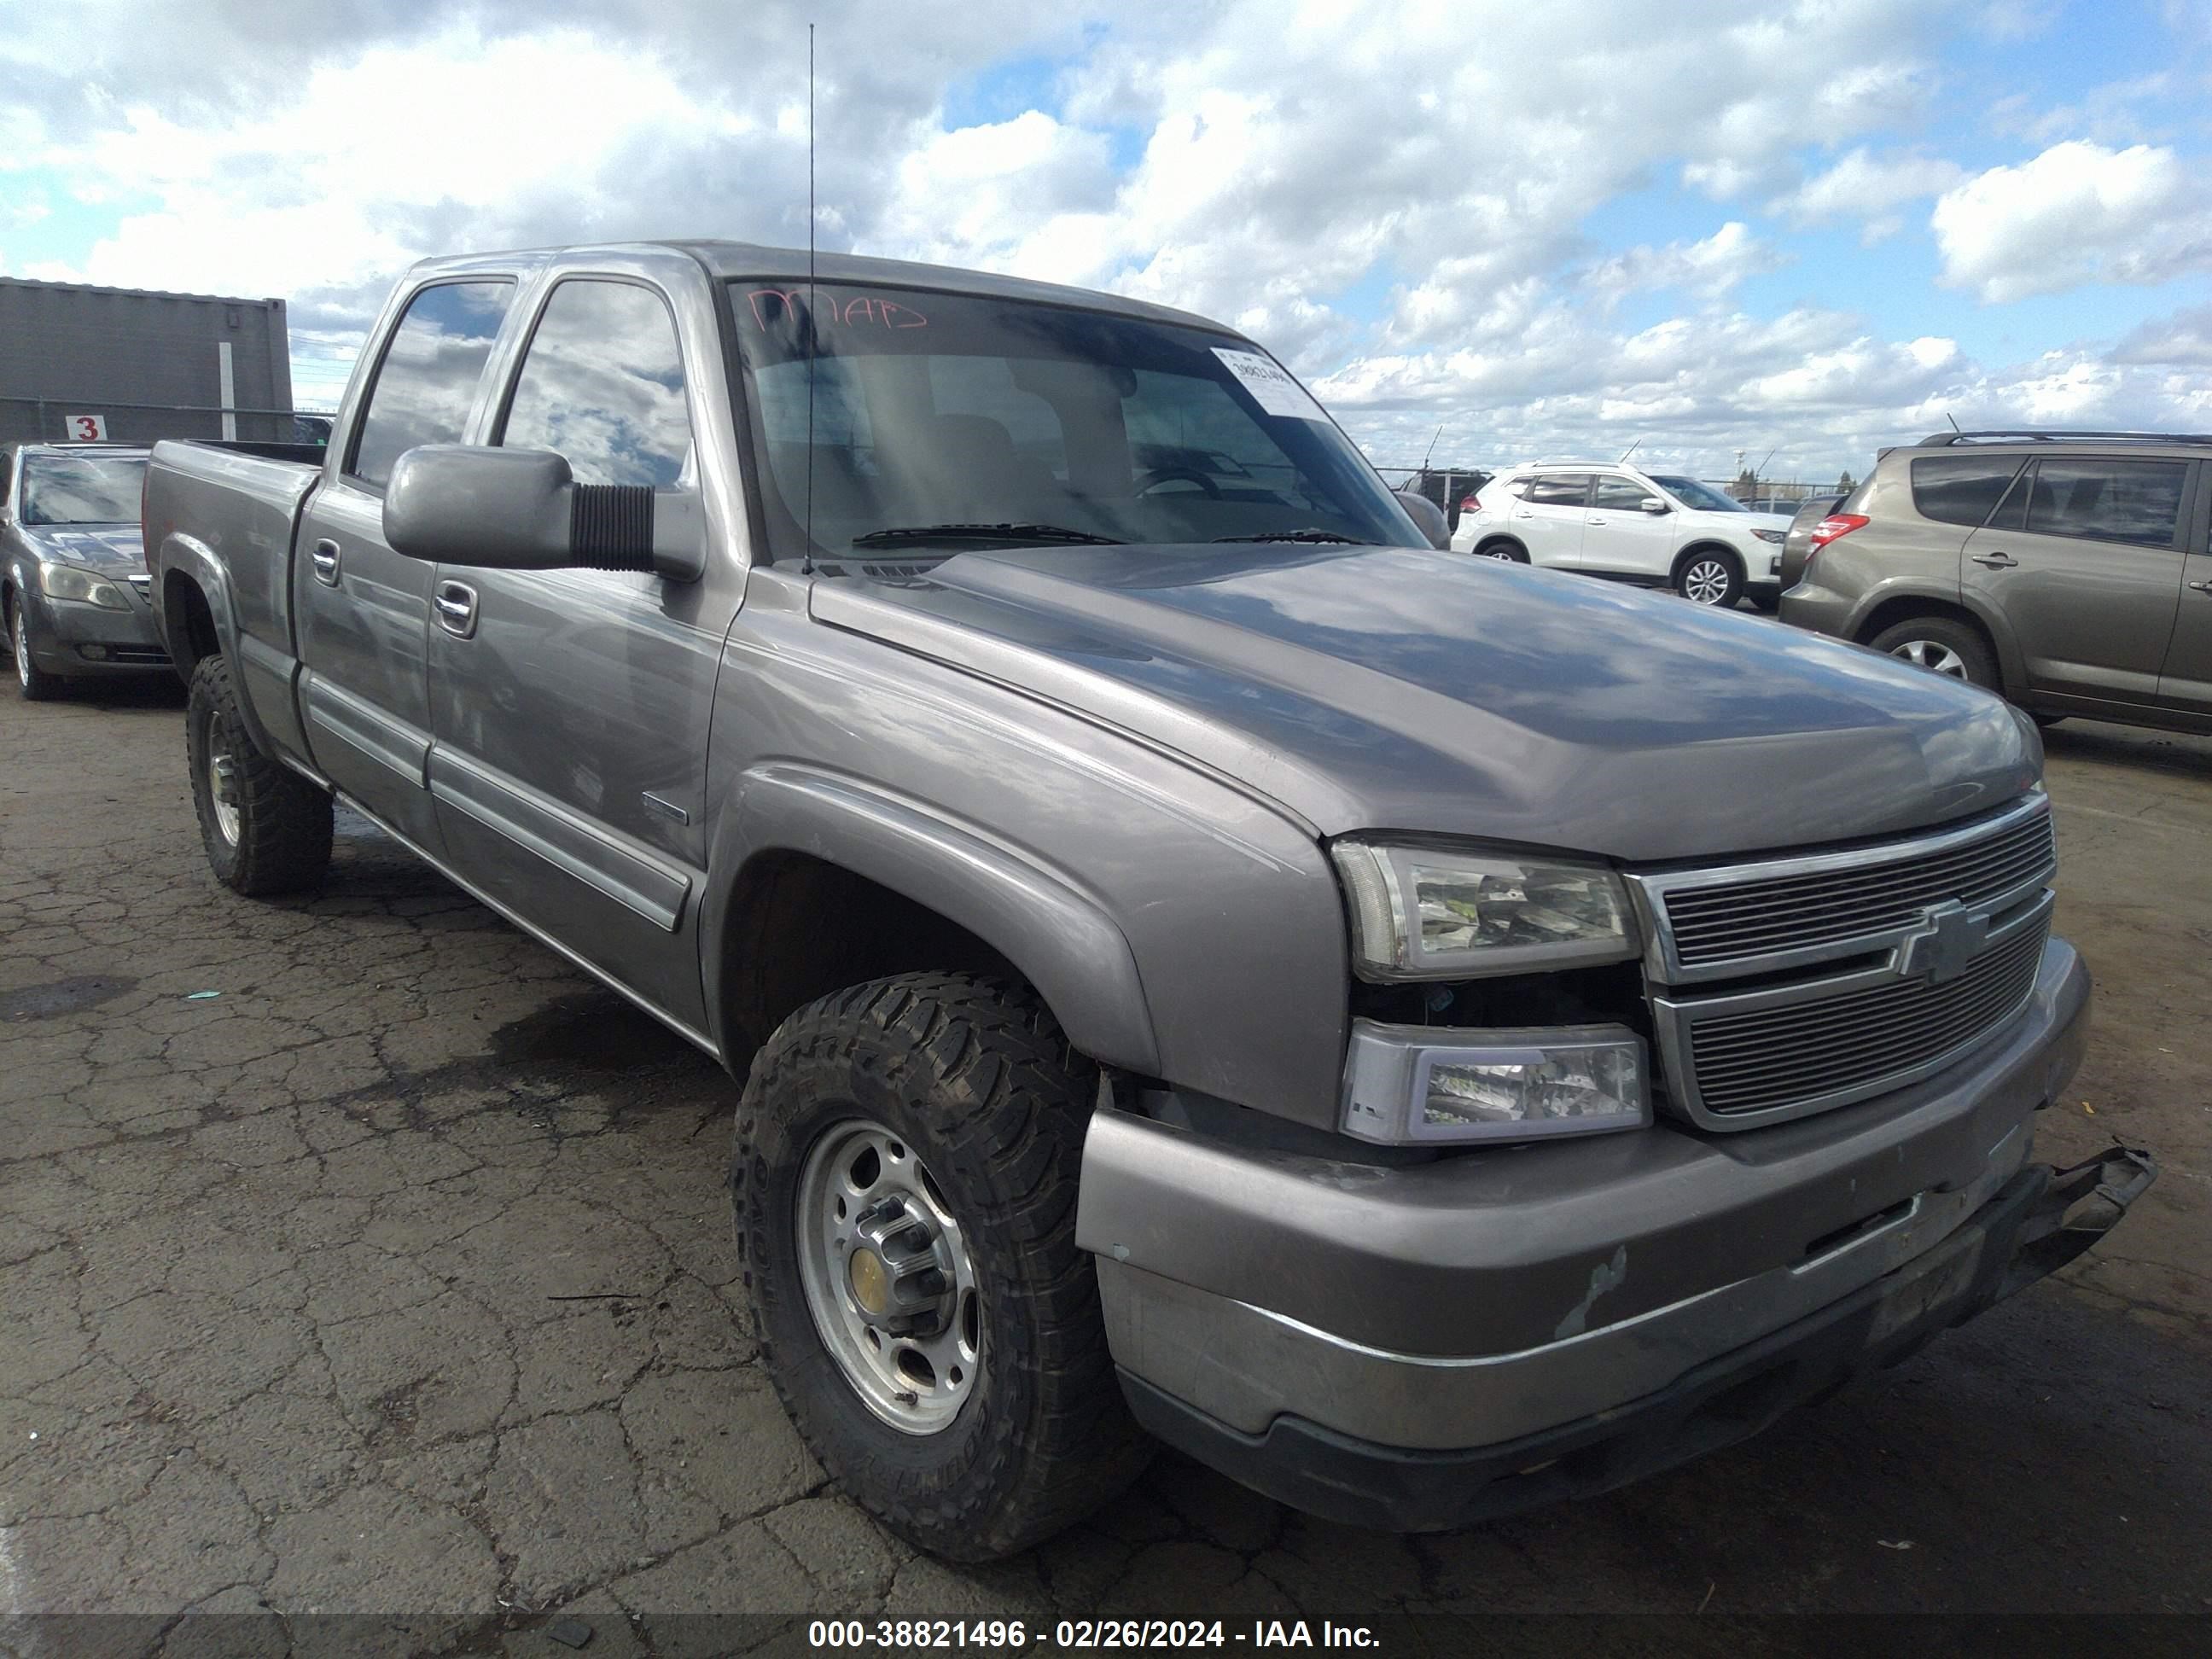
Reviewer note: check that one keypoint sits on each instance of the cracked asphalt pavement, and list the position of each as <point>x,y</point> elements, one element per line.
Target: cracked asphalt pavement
<point>396,1277</point>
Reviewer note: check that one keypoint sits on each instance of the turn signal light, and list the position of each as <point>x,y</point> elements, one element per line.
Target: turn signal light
<point>1829,528</point>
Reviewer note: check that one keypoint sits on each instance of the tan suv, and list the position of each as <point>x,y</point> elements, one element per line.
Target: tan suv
<point>2068,570</point>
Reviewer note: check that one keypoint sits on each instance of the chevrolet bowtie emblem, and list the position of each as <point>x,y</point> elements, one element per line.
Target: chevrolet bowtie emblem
<point>1948,939</point>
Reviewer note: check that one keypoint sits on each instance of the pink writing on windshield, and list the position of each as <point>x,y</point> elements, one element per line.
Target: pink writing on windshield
<point>773,306</point>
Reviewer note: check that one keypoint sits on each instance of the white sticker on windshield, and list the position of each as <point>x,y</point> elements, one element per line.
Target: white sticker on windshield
<point>1271,388</point>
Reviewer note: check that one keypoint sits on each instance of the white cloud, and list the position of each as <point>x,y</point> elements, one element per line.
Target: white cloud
<point>1707,268</point>
<point>2077,213</point>
<point>2117,112</point>
<point>1396,196</point>
<point>1863,186</point>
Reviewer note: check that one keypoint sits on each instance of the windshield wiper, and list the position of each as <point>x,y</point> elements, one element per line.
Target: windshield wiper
<point>1312,535</point>
<point>910,535</point>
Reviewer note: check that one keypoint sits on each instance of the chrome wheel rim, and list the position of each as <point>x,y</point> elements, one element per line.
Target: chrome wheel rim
<point>22,652</point>
<point>1707,582</point>
<point>1502,554</point>
<point>887,1276</point>
<point>222,780</point>
<point>1932,655</point>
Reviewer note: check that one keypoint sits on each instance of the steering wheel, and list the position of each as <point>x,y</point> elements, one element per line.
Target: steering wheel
<point>1188,474</point>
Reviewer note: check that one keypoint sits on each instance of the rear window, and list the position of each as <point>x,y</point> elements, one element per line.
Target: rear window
<point>1961,489</point>
<point>428,379</point>
<point>2098,500</point>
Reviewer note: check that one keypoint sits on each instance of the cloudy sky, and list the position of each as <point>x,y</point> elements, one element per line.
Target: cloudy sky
<point>1807,227</point>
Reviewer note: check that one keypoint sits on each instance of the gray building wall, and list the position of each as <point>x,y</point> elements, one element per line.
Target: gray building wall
<point>146,361</point>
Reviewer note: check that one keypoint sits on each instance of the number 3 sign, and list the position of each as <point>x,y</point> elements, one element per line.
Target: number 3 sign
<point>88,428</point>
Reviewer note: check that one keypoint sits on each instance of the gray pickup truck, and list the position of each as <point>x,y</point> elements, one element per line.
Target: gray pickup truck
<point>1423,1034</point>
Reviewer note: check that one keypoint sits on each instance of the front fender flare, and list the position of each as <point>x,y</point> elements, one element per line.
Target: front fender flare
<point>1038,917</point>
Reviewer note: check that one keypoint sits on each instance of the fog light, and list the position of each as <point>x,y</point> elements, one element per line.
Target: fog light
<point>93,653</point>
<point>1425,1083</point>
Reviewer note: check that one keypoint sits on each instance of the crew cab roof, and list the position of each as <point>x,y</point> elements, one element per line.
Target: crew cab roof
<point>730,259</point>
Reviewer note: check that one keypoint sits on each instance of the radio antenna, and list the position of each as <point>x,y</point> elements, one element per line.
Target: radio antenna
<point>1432,447</point>
<point>1953,420</point>
<point>807,565</point>
<point>1627,452</point>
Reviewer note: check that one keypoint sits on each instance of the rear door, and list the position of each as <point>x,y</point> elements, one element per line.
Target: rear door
<point>569,707</point>
<point>2082,559</point>
<point>2185,681</point>
<point>363,610</point>
<point>1548,517</point>
<point>1619,538</point>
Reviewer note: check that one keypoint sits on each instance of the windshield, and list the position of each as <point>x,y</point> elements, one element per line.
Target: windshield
<point>947,421</point>
<point>1690,493</point>
<point>81,489</point>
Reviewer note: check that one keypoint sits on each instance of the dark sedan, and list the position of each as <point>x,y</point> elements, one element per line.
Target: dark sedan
<point>72,568</point>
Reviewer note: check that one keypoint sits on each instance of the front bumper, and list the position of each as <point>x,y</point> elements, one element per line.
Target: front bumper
<point>1483,1301</point>
<point>84,641</point>
<point>2041,1219</point>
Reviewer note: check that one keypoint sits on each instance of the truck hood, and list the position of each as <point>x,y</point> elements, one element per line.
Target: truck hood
<point>1425,692</point>
<point>111,549</point>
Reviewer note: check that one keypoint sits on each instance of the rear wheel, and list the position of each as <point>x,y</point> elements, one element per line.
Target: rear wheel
<point>1940,645</point>
<point>266,829</point>
<point>36,684</point>
<point>904,1178</point>
<point>1503,547</point>
<point>1709,576</point>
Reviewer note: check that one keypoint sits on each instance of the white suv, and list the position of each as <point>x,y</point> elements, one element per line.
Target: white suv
<point>1631,525</point>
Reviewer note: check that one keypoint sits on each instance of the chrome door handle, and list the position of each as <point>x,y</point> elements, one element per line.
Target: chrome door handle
<point>1594,518</point>
<point>2201,588</point>
<point>325,556</point>
<point>1996,561</point>
<point>1524,513</point>
<point>456,605</point>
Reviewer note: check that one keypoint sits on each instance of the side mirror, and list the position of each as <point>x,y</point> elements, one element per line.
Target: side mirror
<point>1428,518</point>
<point>1654,506</point>
<point>522,510</point>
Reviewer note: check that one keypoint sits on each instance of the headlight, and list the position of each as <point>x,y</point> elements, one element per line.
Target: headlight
<point>1424,914</point>
<point>69,582</point>
<point>1423,1084</point>
<point>1776,536</point>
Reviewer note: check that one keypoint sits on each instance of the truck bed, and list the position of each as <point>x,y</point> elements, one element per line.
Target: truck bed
<point>241,501</point>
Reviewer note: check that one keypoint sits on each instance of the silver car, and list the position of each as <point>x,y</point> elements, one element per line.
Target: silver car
<point>2068,570</point>
<point>73,582</point>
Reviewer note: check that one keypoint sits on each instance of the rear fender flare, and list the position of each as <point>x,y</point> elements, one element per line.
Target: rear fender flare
<point>189,558</point>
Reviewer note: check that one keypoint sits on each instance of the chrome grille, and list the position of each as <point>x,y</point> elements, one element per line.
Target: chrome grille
<point>1844,1047</point>
<point>1750,919</point>
<point>1797,985</point>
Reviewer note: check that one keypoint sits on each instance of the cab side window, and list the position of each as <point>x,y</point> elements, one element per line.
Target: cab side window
<point>428,379</point>
<point>602,385</point>
<point>1614,494</point>
<point>2108,500</point>
<point>1557,492</point>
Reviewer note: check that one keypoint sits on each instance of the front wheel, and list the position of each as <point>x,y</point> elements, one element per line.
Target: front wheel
<point>903,1178</point>
<point>1503,547</point>
<point>266,829</point>
<point>1710,578</point>
<point>33,682</point>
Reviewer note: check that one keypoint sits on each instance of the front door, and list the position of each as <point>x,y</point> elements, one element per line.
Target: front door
<point>570,708</point>
<point>363,610</point>
<point>1619,538</point>
<point>2082,559</point>
<point>1548,517</point>
<point>2185,682</point>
